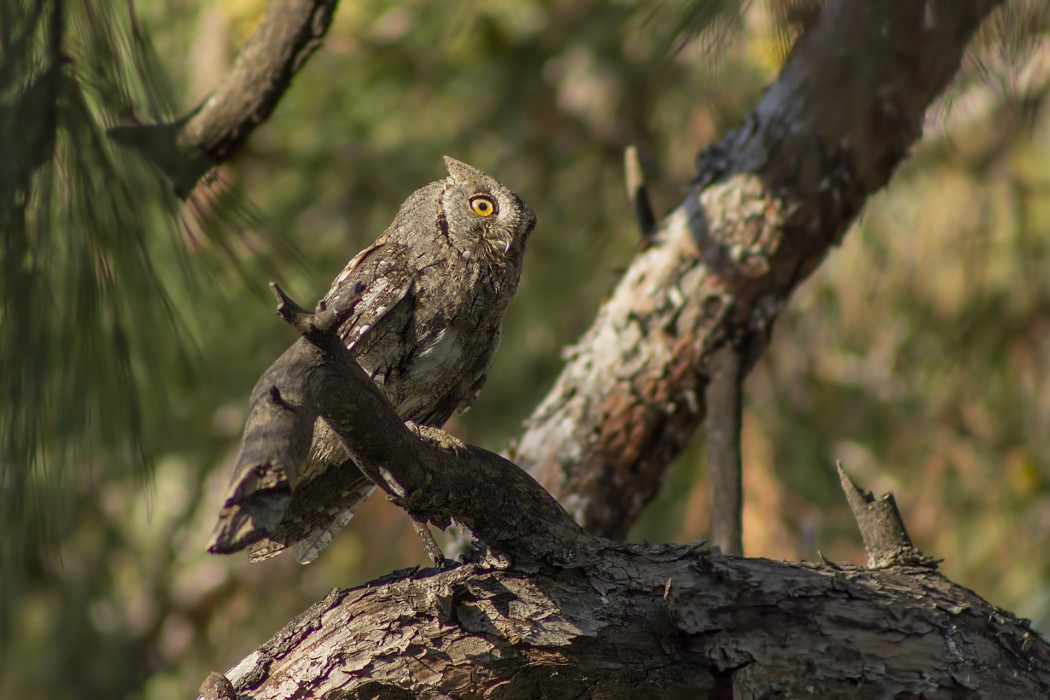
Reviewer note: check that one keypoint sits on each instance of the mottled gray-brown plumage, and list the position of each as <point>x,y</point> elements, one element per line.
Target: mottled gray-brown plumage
<point>436,284</point>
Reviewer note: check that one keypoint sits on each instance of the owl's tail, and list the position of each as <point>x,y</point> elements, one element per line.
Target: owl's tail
<point>317,512</point>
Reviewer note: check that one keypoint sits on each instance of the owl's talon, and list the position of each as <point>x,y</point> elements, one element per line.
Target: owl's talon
<point>442,438</point>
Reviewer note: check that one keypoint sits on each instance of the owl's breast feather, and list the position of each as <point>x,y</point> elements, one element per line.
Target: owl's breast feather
<point>438,355</point>
<point>437,365</point>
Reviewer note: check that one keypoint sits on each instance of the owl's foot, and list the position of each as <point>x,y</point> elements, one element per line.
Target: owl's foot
<point>436,436</point>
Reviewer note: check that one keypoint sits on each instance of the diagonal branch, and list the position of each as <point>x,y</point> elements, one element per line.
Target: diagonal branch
<point>768,204</point>
<point>188,148</point>
<point>424,470</point>
<point>288,35</point>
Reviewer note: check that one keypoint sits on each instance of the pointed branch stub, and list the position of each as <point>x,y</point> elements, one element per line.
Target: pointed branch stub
<point>638,193</point>
<point>879,521</point>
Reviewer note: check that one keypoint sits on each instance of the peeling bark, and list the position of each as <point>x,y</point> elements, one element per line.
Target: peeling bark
<point>767,205</point>
<point>652,622</point>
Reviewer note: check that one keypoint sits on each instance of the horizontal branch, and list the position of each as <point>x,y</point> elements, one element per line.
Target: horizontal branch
<point>652,621</point>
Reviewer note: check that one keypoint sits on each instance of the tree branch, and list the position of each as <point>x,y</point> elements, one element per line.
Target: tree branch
<point>561,613</point>
<point>188,148</point>
<point>767,205</point>
<point>882,528</point>
<point>424,470</point>
<point>652,622</point>
<point>638,193</point>
<point>724,399</point>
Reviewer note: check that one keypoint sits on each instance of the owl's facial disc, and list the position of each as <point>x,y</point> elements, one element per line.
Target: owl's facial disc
<point>496,216</point>
<point>496,210</point>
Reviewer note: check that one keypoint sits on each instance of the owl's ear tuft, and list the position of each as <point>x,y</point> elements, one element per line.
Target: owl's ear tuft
<point>461,171</point>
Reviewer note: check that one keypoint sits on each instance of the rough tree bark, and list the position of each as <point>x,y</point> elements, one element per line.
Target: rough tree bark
<point>767,205</point>
<point>551,610</point>
<point>658,622</point>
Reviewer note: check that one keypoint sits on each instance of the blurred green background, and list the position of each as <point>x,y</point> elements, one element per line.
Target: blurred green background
<point>919,353</point>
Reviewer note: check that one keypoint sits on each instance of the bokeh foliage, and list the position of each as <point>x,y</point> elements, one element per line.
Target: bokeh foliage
<point>84,314</point>
<point>917,354</point>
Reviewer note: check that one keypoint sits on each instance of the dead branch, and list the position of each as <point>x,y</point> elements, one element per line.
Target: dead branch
<point>882,528</point>
<point>424,470</point>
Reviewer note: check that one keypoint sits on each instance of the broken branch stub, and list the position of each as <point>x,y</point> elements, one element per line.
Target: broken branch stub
<point>881,527</point>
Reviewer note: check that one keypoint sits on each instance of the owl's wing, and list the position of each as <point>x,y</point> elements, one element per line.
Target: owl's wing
<point>330,488</point>
<point>386,283</point>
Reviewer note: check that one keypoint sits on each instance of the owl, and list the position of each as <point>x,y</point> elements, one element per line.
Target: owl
<point>435,286</point>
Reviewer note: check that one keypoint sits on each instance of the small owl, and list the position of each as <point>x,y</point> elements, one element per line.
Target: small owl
<point>436,284</point>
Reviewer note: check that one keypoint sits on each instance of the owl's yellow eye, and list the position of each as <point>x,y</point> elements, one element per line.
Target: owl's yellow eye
<point>483,205</point>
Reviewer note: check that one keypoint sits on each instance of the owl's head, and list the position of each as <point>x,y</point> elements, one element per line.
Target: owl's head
<point>479,216</point>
